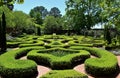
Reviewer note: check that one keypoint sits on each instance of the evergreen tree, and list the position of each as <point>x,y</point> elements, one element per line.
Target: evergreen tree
<point>107,35</point>
<point>3,34</point>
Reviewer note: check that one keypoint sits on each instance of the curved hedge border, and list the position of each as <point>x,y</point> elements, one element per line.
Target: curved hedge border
<point>105,64</point>
<point>55,62</point>
<point>10,67</point>
<point>64,74</point>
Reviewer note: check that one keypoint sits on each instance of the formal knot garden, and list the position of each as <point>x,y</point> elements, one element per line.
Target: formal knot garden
<point>60,53</point>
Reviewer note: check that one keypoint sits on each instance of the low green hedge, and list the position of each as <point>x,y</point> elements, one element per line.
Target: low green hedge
<point>11,67</point>
<point>40,43</point>
<point>12,44</point>
<point>65,41</point>
<point>105,64</point>
<point>46,57</point>
<point>48,46</point>
<point>76,43</point>
<point>64,74</point>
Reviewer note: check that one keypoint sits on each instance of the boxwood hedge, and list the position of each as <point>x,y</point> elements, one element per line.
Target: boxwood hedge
<point>105,64</point>
<point>64,74</point>
<point>11,67</point>
<point>55,62</point>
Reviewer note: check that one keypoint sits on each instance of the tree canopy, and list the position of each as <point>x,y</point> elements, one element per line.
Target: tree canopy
<point>55,12</point>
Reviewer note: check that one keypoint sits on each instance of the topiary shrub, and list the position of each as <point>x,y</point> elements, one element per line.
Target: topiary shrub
<point>10,67</point>
<point>12,44</point>
<point>64,59</point>
<point>40,43</point>
<point>106,63</point>
<point>64,74</point>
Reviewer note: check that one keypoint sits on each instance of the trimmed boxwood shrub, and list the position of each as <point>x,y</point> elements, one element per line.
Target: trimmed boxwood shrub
<point>40,43</point>
<point>73,43</point>
<point>11,67</point>
<point>64,74</point>
<point>64,41</point>
<point>57,62</point>
<point>105,64</point>
<point>12,44</point>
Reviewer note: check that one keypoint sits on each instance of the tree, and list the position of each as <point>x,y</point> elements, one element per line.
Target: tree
<point>52,25</point>
<point>38,13</point>
<point>3,34</point>
<point>4,2</point>
<point>23,23</point>
<point>107,35</point>
<point>83,14</point>
<point>111,12</point>
<point>39,9</point>
<point>55,12</point>
<point>9,16</point>
<point>3,26</point>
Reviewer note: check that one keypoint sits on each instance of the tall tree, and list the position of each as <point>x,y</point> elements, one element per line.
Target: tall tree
<point>52,25</point>
<point>3,34</point>
<point>23,23</point>
<point>38,13</point>
<point>84,14</point>
<point>55,12</point>
<point>111,12</point>
<point>39,9</point>
<point>3,27</point>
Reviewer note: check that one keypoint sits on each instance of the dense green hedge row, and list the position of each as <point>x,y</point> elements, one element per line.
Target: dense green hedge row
<point>58,52</point>
<point>13,44</point>
<point>40,43</point>
<point>64,74</point>
<point>11,67</point>
<point>59,41</point>
<point>55,62</point>
<point>105,64</point>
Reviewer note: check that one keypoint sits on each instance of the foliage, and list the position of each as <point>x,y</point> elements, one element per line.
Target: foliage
<point>39,10</point>
<point>64,74</point>
<point>3,34</point>
<point>12,68</point>
<point>17,21</point>
<point>3,2</point>
<point>105,63</point>
<point>38,31</point>
<point>52,25</point>
<point>50,59</point>
<point>110,12</point>
<point>82,14</point>
<point>55,12</point>
<point>58,57</point>
<point>9,16</point>
<point>107,35</point>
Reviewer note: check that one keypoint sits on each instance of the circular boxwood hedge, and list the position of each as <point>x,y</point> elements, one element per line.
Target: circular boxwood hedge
<point>105,64</point>
<point>47,57</point>
<point>11,67</point>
